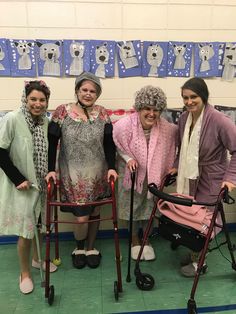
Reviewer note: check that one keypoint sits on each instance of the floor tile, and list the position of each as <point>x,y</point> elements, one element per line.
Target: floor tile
<point>88,290</point>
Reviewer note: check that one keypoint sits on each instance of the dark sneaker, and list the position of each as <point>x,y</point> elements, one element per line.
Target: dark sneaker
<point>190,270</point>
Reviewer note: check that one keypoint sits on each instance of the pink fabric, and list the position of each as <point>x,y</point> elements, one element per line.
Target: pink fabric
<point>196,216</point>
<point>155,159</point>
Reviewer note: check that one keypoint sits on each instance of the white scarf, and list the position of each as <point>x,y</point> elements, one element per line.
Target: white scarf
<point>189,155</point>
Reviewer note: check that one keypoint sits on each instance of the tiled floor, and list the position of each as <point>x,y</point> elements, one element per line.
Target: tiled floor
<point>88,291</point>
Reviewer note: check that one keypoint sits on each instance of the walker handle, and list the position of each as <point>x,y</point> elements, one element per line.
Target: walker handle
<point>168,197</point>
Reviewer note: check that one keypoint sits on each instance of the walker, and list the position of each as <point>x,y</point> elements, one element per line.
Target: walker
<point>202,245</point>
<point>52,219</point>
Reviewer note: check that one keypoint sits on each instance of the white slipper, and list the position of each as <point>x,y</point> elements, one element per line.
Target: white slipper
<point>52,267</point>
<point>148,253</point>
<point>135,251</point>
<point>26,285</point>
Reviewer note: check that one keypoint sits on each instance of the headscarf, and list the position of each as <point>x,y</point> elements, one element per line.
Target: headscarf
<point>87,76</point>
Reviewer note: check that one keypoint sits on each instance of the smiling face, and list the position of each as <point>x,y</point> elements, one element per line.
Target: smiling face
<point>87,93</point>
<point>192,101</point>
<point>36,103</point>
<point>148,117</point>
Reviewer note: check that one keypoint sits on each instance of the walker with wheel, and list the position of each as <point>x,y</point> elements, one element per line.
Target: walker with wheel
<point>202,244</point>
<point>52,220</point>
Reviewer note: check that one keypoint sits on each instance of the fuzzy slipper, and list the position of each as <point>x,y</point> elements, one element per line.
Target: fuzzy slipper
<point>26,285</point>
<point>148,253</point>
<point>79,259</point>
<point>93,258</point>
<point>135,251</point>
<point>52,267</point>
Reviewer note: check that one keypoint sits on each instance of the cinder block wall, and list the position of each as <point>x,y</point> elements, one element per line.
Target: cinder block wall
<point>163,20</point>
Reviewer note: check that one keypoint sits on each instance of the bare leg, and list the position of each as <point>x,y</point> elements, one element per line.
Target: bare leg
<point>93,229</point>
<point>81,231</point>
<point>135,231</point>
<point>23,248</point>
<point>80,234</point>
<point>34,247</point>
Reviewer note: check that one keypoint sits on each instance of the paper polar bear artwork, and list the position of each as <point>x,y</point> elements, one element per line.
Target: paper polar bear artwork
<point>76,56</point>
<point>129,58</point>
<point>206,59</point>
<point>179,58</point>
<point>229,62</point>
<point>49,60</point>
<point>154,59</point>
<point>4,58</point>
<point>102,58</point>
<point>23,60</point>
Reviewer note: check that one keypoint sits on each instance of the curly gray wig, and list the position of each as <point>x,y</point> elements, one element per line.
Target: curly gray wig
<point>150,96</point>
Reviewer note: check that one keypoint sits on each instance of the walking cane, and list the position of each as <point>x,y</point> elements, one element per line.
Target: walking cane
<point>128,278</point>
<point>36,233</point>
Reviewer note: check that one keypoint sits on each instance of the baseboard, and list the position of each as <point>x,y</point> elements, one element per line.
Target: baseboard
<point>102,234</point>
<point>68,236</point>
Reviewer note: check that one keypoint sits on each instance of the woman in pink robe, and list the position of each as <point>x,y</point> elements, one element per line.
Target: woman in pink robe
<point>146,143</point>
<point>205,136</point>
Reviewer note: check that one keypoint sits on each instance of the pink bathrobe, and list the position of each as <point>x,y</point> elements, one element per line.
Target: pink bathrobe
<point>154,159</point>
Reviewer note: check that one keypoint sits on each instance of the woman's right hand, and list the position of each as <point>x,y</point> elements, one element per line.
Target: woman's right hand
<point>24,186</point>
<point>132,165</point>
<point>51,176</point>
<point>173,171</point>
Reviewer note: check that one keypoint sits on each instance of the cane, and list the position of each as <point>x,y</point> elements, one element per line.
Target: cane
<point>36,233</point>
<point>128,278</point>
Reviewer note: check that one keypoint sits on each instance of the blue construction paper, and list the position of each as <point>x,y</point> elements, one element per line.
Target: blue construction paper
<point>102,58</point>
<point>22,57</point>
<point>179,58</point>
<point>49,53</point>
<point>129,58</point>
<point>154,59</point>
<point>76,56</point>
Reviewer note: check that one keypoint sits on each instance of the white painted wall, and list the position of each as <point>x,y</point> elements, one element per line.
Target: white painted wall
<point>162,20</point>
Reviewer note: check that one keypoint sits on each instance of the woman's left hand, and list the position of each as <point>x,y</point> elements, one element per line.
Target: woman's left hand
<point>229,185</point>
<point>112,173</point>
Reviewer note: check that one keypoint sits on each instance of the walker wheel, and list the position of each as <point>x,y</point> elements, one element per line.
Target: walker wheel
<point>192,308</point>
<point>51,295</point>
<point>145,282</point>
<point>116,292</point>
<point>57,261</point>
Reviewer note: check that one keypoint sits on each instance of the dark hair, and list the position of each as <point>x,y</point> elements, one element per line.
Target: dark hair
<point>39,86</point>
<point>198,86</point>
